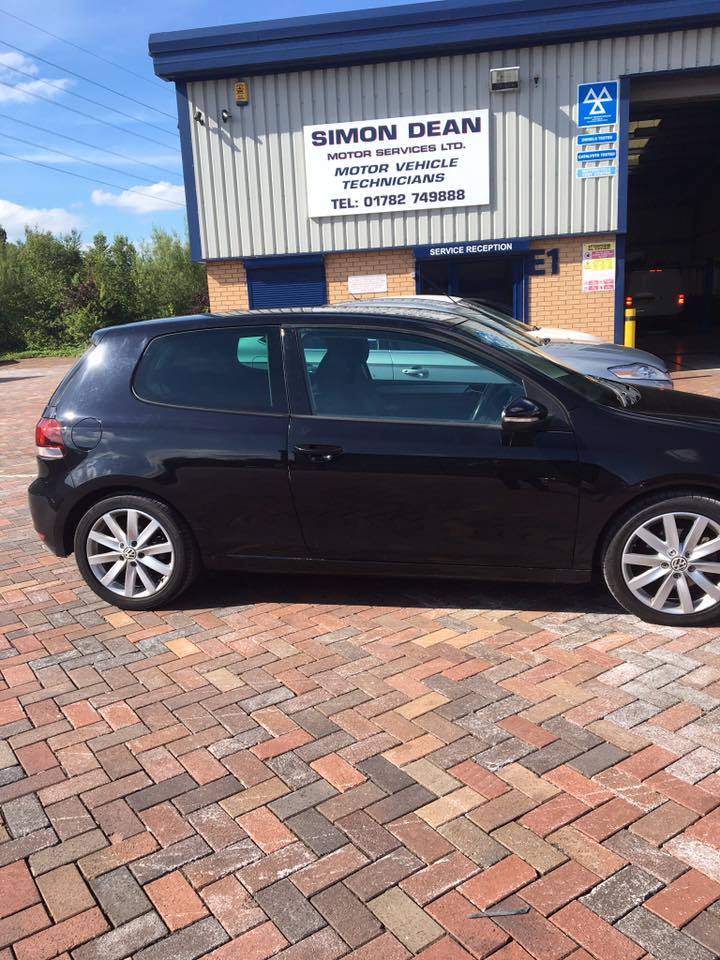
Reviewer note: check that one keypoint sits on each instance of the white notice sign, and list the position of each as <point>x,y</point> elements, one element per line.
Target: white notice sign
<point>397,164</point>
<point>368,283</point>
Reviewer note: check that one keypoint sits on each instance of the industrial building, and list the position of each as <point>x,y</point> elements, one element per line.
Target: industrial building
<point>559,158</point>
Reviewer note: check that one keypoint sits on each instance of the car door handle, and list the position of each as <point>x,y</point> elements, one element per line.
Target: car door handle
<point>420,372</point>
<point>319,452</point>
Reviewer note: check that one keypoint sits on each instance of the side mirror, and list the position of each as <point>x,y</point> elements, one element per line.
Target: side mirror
<point>523,415</point>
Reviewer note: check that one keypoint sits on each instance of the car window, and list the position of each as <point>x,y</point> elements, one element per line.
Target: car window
<point>208,369</point>
<point>397,344</point>
<point>589,387</point>
<point>253,352</point>
<point>429,381</point>
<point>379,361</point>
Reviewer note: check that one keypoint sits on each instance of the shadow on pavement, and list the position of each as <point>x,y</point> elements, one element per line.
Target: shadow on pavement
<point>28,376</point>
<point>231,590</point>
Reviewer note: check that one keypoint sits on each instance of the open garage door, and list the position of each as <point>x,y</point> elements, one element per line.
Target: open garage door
<point>494,280</point>
<point>673,242</point>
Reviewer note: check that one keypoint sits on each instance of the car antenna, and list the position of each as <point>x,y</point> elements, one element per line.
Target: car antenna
<point>456,300</point>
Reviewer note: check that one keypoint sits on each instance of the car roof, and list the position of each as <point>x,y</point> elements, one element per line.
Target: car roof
<point>363,311</point>
<point>435,302</point>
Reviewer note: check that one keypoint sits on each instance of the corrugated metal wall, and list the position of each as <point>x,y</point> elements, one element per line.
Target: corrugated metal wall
<point>250,175</point>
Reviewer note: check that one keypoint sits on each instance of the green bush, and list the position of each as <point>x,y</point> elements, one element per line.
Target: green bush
<point>54,293</point>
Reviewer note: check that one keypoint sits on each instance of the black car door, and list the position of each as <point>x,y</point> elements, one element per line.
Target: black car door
<point>216,438</point>
<point>415,468</point>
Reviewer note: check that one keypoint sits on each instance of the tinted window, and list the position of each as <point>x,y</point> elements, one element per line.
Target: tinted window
<point>417,378</point>
<point>587,386</point>
<point>210,369</point>
<point>70,375</point>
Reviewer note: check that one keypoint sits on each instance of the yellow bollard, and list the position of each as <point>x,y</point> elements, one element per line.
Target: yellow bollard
<point>630,327</point>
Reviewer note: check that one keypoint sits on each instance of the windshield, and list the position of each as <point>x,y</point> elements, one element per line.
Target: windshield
<point>588,387</point>
<point>493,311</point>
<point>496,319</point>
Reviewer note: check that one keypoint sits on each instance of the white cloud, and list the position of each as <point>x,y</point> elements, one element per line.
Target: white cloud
<point>157,197</point>
<point>15,88</point>
<point>14,218</point>
<point>19,61</point>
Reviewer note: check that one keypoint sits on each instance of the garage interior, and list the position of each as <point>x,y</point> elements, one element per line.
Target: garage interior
<point>494,280</point>
<point>673,239</point>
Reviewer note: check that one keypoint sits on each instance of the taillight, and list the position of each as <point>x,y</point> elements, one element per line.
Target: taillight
<point>628,301</point>
<point>681,299</point>
<point>48,439</point>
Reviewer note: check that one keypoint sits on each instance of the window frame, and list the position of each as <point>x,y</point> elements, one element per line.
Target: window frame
<point>299,385</point>
<point>278,393</point>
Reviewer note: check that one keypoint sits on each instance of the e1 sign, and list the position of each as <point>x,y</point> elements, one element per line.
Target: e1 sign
<point>398,164</point>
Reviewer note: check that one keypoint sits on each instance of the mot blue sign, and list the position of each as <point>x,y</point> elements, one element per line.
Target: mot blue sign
<point>597,103</point>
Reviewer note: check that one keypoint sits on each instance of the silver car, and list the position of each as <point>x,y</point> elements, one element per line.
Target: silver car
<point>607,361</point>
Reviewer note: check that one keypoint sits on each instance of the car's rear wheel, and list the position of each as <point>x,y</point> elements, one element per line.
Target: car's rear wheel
<point>662,561</point>
<point>135,552</point>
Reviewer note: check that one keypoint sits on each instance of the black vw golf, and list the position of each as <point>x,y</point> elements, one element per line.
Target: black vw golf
<point>373,439</point>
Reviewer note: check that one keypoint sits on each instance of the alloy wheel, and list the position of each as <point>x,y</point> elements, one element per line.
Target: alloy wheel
<point>130,553</point>
<point>671,563</point>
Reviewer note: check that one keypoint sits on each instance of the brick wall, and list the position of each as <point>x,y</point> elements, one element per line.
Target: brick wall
<point>227,279</point>
<point>554,300</point>
<point>227,286</point>
<point>558,300</point>
<point>399,265</point>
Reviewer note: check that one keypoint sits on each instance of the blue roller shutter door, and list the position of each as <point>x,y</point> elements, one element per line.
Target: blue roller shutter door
<point>287,284</point>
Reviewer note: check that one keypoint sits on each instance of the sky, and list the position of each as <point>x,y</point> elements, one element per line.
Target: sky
<point>63,109</point>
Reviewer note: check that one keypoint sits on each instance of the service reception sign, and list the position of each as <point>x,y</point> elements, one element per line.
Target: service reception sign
<point>598,267</point>
<point>401,163</point>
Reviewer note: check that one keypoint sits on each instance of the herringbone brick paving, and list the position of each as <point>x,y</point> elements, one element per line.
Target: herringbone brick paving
<point>309,768</point>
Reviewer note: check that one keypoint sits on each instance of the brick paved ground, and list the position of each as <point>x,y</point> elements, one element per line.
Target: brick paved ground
<point>319,769</point>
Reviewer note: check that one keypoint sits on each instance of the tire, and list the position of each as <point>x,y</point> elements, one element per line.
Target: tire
<point>663,586</point>
<point>168,546</point>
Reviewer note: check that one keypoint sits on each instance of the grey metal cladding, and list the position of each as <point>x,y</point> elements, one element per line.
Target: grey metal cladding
<point>250,176</point>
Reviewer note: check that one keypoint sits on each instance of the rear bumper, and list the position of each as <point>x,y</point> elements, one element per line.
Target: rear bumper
<point>45,516</point>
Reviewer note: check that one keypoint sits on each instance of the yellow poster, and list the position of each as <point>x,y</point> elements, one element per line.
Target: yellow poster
<point>598,267</point>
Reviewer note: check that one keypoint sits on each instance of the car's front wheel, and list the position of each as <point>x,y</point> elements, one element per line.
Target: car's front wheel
<point>662,561</point>
<point>135,552</point>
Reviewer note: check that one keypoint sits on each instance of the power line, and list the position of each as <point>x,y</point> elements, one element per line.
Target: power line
<point>74,156</point>
<point>89,116</point>
<point>80,96</point>
<point>84,143</point>
<point>81,176</point>
<point>80,76</point>
<point>90,53</point>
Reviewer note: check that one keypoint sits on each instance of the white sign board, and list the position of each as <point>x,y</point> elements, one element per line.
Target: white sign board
<point>598,267</point>
<point>368,283</point>
<point>398,164</point>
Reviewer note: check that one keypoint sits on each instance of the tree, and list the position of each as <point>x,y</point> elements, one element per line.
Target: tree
<point>55,294</point>
<point>104,292</point>
<point>45,267</point>
<point>169,283</point>
<point>11,296</point>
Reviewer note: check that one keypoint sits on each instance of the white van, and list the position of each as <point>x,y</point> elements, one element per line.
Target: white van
<point>655,292</point>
